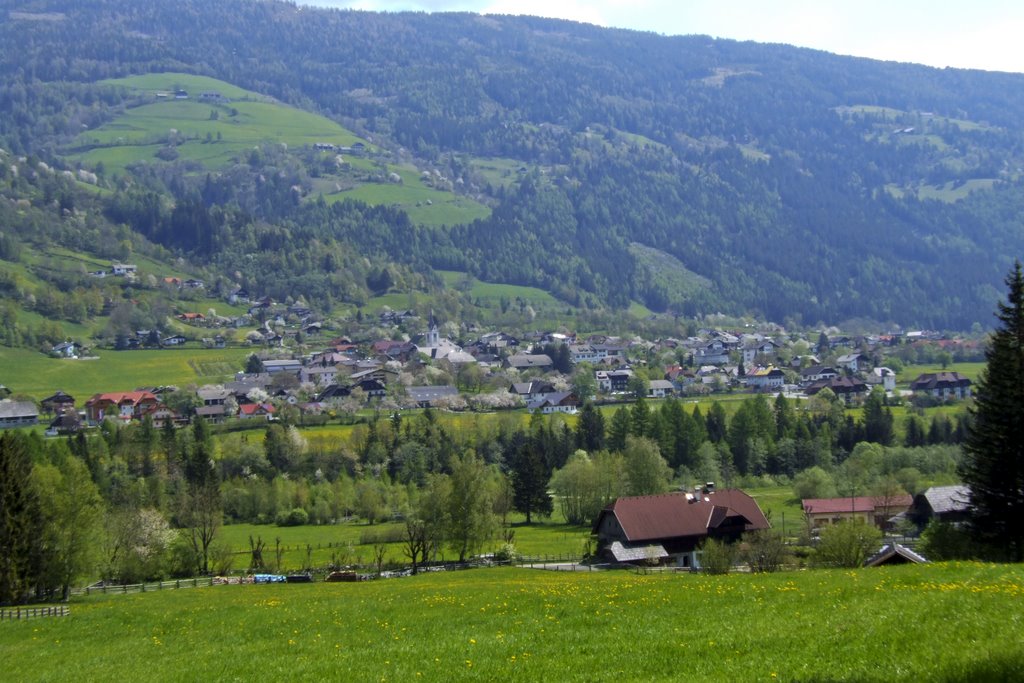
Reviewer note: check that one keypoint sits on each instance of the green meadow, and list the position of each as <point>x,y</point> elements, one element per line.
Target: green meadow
<point>217,133</point>
<point>352,543</point>
<point>946,622</point>
<point>33,373</point>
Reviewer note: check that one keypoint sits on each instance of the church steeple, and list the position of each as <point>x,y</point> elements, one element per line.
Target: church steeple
<point>433,333</point>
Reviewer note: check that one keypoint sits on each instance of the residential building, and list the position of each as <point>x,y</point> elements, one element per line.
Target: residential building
<point>669,528</point>
<point>943,385</point>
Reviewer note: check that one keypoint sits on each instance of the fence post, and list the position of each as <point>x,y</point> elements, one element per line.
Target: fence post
<point>177,583</point>
<point>194,580</point>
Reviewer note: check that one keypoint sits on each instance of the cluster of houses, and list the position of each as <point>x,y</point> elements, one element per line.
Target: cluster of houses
<point>670,529</point>
<point>536,363</point>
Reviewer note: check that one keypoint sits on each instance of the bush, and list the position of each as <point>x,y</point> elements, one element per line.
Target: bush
<point>942,541</point>
<point>814,482</point>
<point>717,557</point>
<point>848,543</point>
<point>765,551</point>
<point>294,517</point>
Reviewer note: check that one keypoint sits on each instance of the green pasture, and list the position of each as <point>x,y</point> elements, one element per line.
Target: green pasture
<point>425,205</point>
<point>490,293</point>
<point>953,192</point>
<point>946,622</point>
<point>169,82</point>
<point>30,372</point>
<point>352,543</point>
<point>247,120</point>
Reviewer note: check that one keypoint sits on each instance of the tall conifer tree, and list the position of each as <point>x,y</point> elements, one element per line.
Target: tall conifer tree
<point>993,464</point>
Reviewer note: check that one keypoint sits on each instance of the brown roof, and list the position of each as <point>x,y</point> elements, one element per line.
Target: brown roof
<point>672,515</point>
<point>828,506</point>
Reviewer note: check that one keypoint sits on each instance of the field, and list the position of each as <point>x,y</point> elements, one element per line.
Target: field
<point>30,372</point>
<point>217,132</point>
<point>958,622</point>
<point>345,542</point>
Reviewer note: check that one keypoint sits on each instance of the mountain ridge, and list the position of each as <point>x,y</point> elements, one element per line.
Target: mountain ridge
<point>801,184</point>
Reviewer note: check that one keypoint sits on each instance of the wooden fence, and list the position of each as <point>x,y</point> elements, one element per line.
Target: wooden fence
<point>144,587</point>
<point>18,613</point>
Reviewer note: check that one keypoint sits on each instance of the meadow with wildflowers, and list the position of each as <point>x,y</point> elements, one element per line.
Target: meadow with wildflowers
<point>950,622</point>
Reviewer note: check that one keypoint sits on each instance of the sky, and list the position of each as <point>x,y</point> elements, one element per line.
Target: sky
<point>982,34</point>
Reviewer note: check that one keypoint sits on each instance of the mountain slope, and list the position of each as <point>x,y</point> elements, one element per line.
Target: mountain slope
<point>799,184</point>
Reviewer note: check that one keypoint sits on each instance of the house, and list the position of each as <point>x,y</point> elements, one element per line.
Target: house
<point>213,396</point>
<point>531,391</point>
<point>192,318</point>
<point>612,381</point>
<point>68,422</point>
<point>846,388</point>
<point>217,342</point>
<point>57,403</point>
<point>427,397</point>
<point>123,268</point>
<point>853,362</point>
<point>660,388</point>
<point>192,283</point>
<point>876,510</point>
<point>943,385</point>
<point>124,405</point>
<point>17,414</point>
<point>68,349</point>
<point>529,361</point>
<point>174,340</point>
<point>765,379</point>
<point>557,402</point>
<point>883,377</point>
<point>669,528</point>
<point>894,553</point>
<point>816,373</point>
<point>944,503</point>
<point>714,352</point>
<point>256,410</point>
<point>765,348</point>
<point>320,375</point>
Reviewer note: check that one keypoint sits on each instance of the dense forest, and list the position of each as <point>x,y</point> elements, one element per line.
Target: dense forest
<point>787,183</point>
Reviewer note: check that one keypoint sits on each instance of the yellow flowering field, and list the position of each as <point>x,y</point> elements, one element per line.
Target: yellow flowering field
<point>937,622</point>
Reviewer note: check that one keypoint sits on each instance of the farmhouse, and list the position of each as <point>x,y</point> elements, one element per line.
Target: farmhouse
<point>17,414</point>
<point>126,405</point>
<point>944,385</point>
<point>668,528</point>
<point>558,402</point>
<point>944,503</point>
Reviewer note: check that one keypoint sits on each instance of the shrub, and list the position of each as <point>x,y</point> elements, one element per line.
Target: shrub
<point>848,543</point>
<point>294,517</point>
<point>717,557</point>
<point>765,551</point>
<point>942,541</point>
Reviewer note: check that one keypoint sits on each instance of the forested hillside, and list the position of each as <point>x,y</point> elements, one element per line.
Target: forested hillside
<point>606,166</point>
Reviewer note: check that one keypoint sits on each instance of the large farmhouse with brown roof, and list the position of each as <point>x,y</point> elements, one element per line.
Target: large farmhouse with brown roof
<point>944,385</point>
<point>669,528</point>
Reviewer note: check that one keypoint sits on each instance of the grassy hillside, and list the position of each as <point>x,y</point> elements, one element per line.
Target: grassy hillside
<point>220,130</point>
<point>520,625</point>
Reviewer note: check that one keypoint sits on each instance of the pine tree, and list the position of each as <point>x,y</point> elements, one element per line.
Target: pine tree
<point>993,463</point>
<point>19,514</point>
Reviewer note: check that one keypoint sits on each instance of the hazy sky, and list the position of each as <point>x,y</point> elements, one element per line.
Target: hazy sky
<point>983,34</point>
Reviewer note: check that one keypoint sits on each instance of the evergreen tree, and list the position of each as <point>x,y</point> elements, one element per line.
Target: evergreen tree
<point>619,429</point>
<point>530,476</point>
<point>590,429</point>
<point>993,463</point>
<point>19,512</point>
